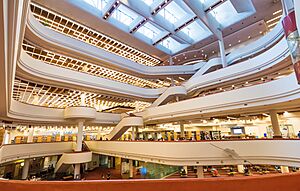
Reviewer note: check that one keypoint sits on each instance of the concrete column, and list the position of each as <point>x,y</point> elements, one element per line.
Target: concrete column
<point>99,133</point>
<point>200,173</point>
<point>186,169</point>
<point>77,171</point>
<point>6,137</point>
<point>145,136</point>
<point>240,168</point>
<point>25,169</point>
<point>132,134</point>
<point>275,124</point>
<point>284,169</point>
<point>182,130</point>
<point>79,136</point>
<point>136,132</point>
<point>222,53</point>
<point>130,168</point>
<point>171,63</point>
<point>30,134</point>
<point>297,12</point>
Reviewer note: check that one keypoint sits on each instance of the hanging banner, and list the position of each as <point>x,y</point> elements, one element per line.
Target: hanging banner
<point>292,36</point>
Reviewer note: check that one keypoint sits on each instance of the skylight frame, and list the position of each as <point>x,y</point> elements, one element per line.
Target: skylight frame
<point>194,28</point>
<point>150,27</point>
<point>124,18</point>
<point>98,4</point>
<point>171,45</point>
<point>226,14</point>
<point>172,13</point>
<point>208,3</point>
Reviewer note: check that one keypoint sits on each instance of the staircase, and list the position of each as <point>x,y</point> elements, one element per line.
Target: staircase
<point>68,159</point>
<point>123,126</point>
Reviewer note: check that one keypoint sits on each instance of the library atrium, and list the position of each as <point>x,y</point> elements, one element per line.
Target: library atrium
<point>168,95</point>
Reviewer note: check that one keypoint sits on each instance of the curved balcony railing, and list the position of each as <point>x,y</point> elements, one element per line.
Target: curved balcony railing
<point>41,34</point>
<point>191,153</point>
<point>30,150</point>
<point>260,45</point>
<point>176,153</point>
<point>261,62</point>
<point>282,93</point>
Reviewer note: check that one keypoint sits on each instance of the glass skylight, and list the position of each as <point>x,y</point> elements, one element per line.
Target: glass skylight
<point>149,30</point>
<point>227,15</point>
<point>99,4</point>
<point>171,45</point>
<point>172,12</point>
<point>124,15</point>
<point>148,2</point>
<point>208,3</point>
<point>152,3</point>
<point>197,31</point>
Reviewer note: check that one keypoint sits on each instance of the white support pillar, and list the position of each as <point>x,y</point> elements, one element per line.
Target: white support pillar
<point>6,137</point>
<point>78,147</point>
<point>200,173</point>
<point>79,136</point>
<point>284,169</point>
<point>99,133</point>
<point>25,169</point>
<point>182,130</point>
<point>186,169</point>
<point>171,63</point>
<point>136,133</point>
<point>284,8</point>
<point>240,168</point>
<point>130,168</point>
<point>77,171</point>
<point>30,135</point>
<point>132,134</point>
<point>275,124</point>
<point>297,12</point>
<point>222,52</point>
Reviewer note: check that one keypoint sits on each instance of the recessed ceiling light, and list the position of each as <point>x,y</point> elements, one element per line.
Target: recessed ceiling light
<point>239,41</point>
<point>229,45</point>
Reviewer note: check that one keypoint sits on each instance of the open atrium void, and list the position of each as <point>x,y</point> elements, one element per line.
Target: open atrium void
<point>167,95</point>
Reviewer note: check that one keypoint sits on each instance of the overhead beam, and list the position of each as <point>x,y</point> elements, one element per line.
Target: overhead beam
<point>210,23</point>
<point>107,8</point>
<point>150,17</point>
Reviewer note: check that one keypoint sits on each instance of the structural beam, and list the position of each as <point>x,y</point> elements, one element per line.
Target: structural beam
<point>151,18</point>
<point>210,23</point>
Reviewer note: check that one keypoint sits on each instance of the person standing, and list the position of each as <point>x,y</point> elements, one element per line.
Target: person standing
<point>108,176</point>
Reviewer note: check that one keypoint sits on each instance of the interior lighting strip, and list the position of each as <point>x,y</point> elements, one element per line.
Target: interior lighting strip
<point>56,97</point>
<point>85,67</point>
